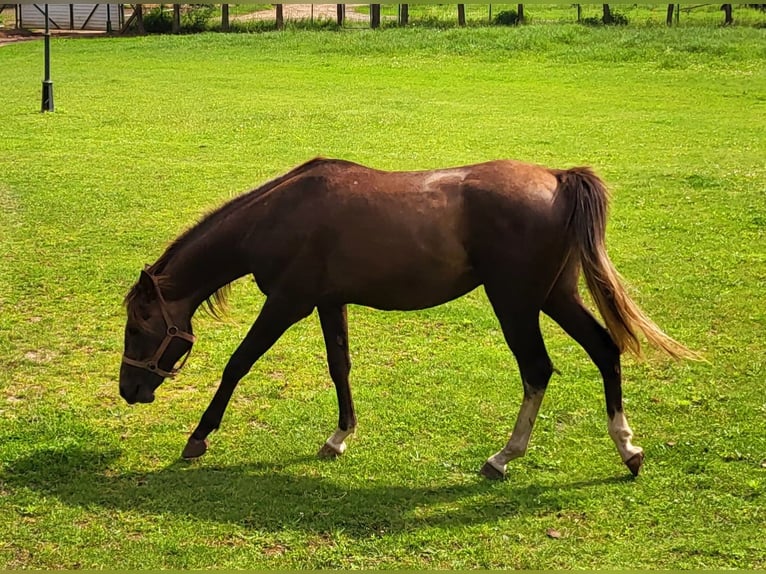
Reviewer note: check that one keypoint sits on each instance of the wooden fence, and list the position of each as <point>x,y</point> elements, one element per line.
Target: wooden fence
<point>403,15</point>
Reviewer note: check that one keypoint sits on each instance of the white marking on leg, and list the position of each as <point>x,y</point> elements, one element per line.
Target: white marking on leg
<point>621,434</point>
<point>522,431</point>
<point>337,440</point>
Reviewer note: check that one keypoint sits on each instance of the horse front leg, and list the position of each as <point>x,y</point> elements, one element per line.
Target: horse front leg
<point>276,316</point>
<point>333,319</point>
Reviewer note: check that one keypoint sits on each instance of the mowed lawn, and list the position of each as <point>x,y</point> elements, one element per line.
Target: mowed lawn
<point>150,133</point>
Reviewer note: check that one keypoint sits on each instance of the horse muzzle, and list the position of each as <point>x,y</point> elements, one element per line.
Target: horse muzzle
<point>137,393</point>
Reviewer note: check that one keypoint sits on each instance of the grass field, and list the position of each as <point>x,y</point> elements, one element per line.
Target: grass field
<point>151,132</point>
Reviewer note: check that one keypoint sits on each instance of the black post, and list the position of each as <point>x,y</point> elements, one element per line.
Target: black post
<point>47,101</point>
<point>727,11</point>
<point>607,19</point>
<point>225,17</point>
<point>138,10</point>
<point>176,18</point>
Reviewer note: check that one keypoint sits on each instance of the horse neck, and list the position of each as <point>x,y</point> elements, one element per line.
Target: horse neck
<point>201,266</point>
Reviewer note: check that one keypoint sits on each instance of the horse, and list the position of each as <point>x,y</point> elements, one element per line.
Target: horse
<point>330,233</point>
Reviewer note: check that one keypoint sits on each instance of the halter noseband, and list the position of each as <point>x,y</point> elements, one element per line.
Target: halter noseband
<point>172,332</point>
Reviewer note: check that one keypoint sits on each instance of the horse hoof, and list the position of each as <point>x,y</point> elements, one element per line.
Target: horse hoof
<point>635,462</point>
<point>194,448</point>
<point>490,472</point>
<point>328,451</point>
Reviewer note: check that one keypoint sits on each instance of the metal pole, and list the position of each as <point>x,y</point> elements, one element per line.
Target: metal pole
<point>47,100</point>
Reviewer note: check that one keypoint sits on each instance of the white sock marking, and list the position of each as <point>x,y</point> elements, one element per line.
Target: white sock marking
<point>621,434</point>
<point>522,431</point>
<point>337,440</point>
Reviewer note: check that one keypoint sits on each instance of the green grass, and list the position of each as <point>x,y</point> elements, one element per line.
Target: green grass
<point>637,14</point>
<point>151,132</point>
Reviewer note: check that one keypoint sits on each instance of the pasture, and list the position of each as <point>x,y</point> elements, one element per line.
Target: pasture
<point>150,133</point>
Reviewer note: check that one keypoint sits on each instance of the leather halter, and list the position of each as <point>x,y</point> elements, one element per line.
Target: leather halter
<point>172,332</point>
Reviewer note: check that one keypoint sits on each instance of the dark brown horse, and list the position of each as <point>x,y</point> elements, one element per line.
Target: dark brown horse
<point>331,232</point>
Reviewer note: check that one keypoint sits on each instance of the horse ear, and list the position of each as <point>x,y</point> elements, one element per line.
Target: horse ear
<point>146,285</point>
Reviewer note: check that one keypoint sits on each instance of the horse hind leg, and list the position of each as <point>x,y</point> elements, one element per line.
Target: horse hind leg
<point>335,330</point>
<point>521,329</point>
<point>566,308</point>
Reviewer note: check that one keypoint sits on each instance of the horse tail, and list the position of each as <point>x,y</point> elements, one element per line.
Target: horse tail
<point>624,319</point>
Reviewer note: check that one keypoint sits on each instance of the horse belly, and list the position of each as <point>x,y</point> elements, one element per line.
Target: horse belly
<point>402,272</point>
<point>414,292</point>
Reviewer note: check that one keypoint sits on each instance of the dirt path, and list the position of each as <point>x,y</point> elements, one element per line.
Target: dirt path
<point>305,12</point>
<point>10,36</point>
<point>14,35</point>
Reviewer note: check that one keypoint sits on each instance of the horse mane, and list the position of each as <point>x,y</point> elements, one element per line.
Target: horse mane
<point>216,305</point>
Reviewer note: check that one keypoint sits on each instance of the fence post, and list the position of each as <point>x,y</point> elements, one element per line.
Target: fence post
<point>727,14</point>
<point>404,14</point>
<point>341,13</point>
<point>669,18</point>
<point>375,16</point>
<point>138,10</point>
<point>225,17</point>
<point>520,12</point>
<point>461,14</point>
<point>176,19</point>
<point>607,19</point>
<point>280,17</point>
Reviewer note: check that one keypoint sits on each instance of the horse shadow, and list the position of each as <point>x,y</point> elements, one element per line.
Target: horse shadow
<point>269,496</point>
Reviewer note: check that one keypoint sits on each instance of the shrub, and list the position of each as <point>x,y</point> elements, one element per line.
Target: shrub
<point>506,18</point>
<point>617,20</point>
<point>591,21</point>
<point>158,21</point>
<point>196,17</point>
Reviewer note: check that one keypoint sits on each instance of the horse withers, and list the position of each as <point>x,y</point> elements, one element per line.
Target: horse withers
<point>331,233</point>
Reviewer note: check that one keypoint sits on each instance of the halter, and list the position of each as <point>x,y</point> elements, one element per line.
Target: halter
<point>172,332</point>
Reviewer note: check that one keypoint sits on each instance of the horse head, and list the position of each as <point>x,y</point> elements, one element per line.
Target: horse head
<point>158,340</point>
